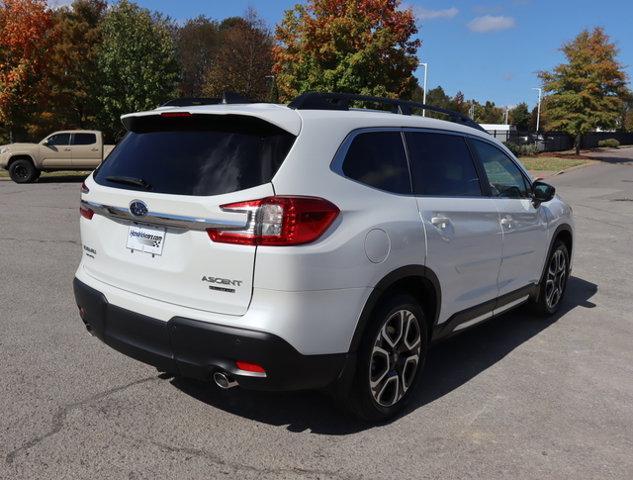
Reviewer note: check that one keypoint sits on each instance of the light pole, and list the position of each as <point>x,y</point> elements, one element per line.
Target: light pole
<point>538,108</point>
<point>426,66</point>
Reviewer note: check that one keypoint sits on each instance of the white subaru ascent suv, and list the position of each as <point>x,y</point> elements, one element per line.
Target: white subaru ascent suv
<point>311,245</point>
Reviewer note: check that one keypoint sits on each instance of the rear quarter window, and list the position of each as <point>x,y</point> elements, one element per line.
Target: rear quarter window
<point>200,155</point>
<point>378,159</point>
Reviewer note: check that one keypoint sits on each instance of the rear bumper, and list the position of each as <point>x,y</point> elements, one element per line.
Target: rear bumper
<point>193,348</point>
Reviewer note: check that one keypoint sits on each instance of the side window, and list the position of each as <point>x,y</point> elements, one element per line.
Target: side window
<point>59,139</point>
<point>378,159</point>
<point>84,139</point>
<point>442,165</point>
<point>506,180</point>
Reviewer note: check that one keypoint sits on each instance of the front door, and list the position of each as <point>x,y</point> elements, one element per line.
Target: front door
<point>524,226</point>
<point>463,234</point>
<point>55,151</point>
<point>85,150</point>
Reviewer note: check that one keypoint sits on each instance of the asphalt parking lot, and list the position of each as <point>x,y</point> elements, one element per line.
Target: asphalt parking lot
<point>518,397</point>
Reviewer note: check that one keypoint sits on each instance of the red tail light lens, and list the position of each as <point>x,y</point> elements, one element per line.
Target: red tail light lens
<point>175,114</point>
<point>86,212</point>
<point>250,367</point>
<point>279,221</point>
<point>84,188</point>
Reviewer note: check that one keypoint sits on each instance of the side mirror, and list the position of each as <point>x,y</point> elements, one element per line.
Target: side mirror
<point>542,192</point>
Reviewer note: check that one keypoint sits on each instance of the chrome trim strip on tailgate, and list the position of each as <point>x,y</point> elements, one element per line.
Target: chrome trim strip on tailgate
<point>166,219</point>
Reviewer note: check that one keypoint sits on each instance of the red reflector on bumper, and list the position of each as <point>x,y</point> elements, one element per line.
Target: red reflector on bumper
<point>250,367</point>
<point>86,212</point>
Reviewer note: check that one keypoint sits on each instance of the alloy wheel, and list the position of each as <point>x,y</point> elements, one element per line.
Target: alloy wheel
<point>395,358</point>
<point>21,172</point>
<point>556,278</point>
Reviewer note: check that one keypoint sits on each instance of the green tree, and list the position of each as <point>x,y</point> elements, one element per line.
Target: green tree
<point>519,116</point>
<point>358,46</point>
<point>489,113</point>
<point>584,93</point>
<point>137,65</point>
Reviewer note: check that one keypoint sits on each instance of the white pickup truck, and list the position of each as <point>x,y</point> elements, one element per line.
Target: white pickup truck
<point>65,150</point>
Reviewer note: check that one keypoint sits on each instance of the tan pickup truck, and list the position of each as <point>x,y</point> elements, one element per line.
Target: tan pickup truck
<point>65,150</point>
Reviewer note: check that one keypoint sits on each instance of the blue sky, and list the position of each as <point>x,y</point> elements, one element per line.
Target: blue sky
<point>488,49</point>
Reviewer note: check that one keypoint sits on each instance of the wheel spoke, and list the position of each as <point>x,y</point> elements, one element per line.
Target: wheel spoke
<point>411,332</point>
<point>392,387</point>
<point>392,331</point>
<point>376,377</point>
<point>408,371</point>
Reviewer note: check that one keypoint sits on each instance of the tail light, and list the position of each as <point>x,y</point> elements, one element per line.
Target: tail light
<point>84,188</point>
<point>279,221</point>
<point>86,212</point>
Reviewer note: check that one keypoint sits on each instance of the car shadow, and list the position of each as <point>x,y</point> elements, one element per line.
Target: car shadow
<point>450,365</point>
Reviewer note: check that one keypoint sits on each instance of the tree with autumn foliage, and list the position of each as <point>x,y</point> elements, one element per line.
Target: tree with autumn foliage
<point>24,34</point>
<point>243,61</point>
<point>357,46</point>
<point>72,77</point>
<point>586,92</point>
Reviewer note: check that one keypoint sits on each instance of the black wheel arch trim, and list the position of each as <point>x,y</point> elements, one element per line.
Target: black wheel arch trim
<point>383,285</point>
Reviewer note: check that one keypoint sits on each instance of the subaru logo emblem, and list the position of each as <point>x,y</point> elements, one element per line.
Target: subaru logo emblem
<point>138,208</point>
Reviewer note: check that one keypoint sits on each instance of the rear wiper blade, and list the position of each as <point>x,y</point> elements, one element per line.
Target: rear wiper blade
<point>137,182</point>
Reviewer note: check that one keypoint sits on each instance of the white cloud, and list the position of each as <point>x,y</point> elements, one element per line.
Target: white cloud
<point>491,23</point>
<point>426,14</point>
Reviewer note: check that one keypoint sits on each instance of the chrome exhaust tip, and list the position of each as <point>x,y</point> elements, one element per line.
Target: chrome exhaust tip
<point>224,381</point>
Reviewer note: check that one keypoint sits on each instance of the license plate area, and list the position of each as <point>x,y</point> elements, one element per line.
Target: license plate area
<point>142,238</point>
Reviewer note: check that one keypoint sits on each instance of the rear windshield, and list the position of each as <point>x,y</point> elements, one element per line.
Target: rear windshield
<point>198,155</point>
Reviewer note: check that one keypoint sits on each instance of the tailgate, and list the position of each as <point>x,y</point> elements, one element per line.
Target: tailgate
<point>160,189</point>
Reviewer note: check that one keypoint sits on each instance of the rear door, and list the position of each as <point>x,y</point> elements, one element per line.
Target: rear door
<point>55,151</point>
<point>461,224</point>
<point>524,226</point>
<point>86,150</point>
<point>158,191</point>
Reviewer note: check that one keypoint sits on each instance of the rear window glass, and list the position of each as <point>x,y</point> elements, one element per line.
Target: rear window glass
<point>198,155</point>
<point>378,159</point>
<point>84,139</point>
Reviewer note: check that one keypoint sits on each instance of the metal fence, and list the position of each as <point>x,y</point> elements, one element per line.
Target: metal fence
<point>558,141</point>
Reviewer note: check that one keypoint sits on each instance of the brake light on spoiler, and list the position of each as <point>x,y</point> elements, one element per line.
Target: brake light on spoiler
<point>279,220</point>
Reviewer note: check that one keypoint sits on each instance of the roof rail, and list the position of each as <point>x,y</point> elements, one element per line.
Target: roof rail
<point>227,98</point>
<point>342,101</point>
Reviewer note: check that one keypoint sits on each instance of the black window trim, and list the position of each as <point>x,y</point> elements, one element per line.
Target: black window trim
<point>72,139</point>
<point>526,178</point>
<point>336,165</point>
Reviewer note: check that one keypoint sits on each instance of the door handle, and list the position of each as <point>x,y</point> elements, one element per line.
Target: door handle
<point>94,149</point>
<point>506,222</point>
<point>440,222</point>
<point>66,149</point>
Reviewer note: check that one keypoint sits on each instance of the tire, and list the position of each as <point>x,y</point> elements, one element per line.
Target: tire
<point>397,333</point>
<point>23,171</point>
<point>554,282</point>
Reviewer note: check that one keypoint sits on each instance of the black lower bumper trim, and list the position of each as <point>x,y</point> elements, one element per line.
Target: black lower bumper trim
<point>196,349</point>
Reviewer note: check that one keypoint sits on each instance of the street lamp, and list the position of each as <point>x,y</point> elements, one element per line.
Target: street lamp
<point>538,108</point>
<point>426,66</point>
